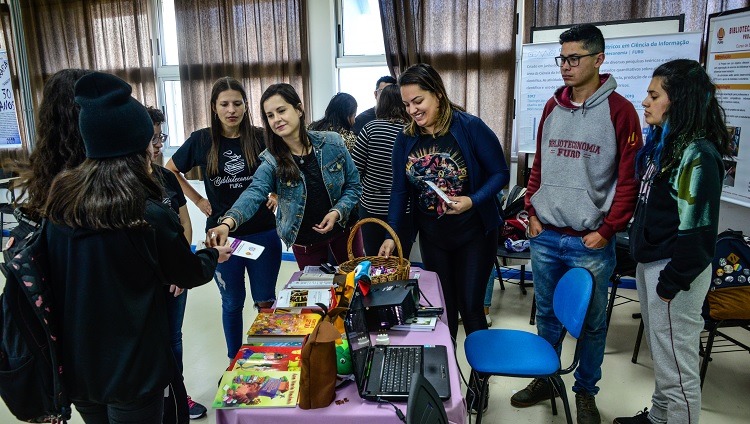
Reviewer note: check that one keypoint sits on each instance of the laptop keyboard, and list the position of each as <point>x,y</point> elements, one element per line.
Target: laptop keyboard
<point>399,364</point>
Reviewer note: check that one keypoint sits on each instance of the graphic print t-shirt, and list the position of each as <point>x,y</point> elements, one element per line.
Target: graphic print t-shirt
<point>174,197</point>
<point>438,160</point>
<point>233,178</point>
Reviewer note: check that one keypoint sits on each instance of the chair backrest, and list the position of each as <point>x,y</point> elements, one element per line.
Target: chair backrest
<point>572,299</point>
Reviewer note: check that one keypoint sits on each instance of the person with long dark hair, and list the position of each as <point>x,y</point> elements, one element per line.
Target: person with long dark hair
<point>372,156</point>
<point>674,229</point>
<point>227,154</point>
<point>111,242</point>
<point>315,178</point>
<point>444,148</point>
<point>58,143</point>
<point>339,117</point>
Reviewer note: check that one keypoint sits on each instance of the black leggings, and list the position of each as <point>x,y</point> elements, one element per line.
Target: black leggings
<point>463,270</point>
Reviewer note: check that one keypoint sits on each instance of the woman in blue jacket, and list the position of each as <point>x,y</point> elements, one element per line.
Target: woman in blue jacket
<point>459,154</point>
<point>299,165</point>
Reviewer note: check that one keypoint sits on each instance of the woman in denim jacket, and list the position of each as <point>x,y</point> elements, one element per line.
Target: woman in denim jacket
<point>299,165</point>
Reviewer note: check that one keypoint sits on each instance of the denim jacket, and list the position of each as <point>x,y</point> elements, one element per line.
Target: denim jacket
<point>340,178</point>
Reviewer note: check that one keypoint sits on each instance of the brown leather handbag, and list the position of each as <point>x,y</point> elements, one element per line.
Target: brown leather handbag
<point>318,377</point>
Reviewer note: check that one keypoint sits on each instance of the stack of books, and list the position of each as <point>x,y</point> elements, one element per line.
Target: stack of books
<point>262,375</point>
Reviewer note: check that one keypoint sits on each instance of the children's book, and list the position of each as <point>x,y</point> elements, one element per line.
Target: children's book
<point>417,324</point>
<point>305,298</point>
<point>265,357</point>
<point>273,326</point>
<point>258,389</point>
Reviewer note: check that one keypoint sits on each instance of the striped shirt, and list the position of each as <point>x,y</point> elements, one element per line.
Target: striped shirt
<point>372,156</point>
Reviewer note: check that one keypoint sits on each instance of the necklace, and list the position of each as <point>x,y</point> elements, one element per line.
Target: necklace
<point>300,158</point>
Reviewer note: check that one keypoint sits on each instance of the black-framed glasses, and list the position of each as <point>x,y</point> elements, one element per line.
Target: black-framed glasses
<point>573,61</point>
<point>159,138</point>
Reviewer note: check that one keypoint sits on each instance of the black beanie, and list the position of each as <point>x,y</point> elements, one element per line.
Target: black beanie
<point>112,122</point>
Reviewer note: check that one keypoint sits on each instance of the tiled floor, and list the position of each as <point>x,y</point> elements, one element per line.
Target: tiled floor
<point>625,387</point>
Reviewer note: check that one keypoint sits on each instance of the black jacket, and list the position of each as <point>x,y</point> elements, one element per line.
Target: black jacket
<point>108,292</point>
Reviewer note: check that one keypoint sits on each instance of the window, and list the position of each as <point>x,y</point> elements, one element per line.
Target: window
<point>360,60</point>
<point>167,72</point>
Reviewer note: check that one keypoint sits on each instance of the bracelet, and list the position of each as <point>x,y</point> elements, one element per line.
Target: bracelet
<point>228,227</point>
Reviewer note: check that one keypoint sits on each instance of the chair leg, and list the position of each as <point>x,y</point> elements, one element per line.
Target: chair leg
<point>612,295</point>
<point>707,354</point>
<point>523,279</point>
<point>532,319</point>
<point>499,274</point>
<point>560,387</point>
<point>552,389</point>
<point>637,346</point>
<point>484,384</point>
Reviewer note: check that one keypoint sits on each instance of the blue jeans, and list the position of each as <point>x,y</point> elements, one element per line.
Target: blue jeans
<point>176,315</point>
<point>553,254</point>
<point>230,277</point>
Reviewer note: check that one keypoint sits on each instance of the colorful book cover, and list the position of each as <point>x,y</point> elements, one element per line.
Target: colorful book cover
<point>276,324</point>
<point>258,389</point>
<point>266,358</point>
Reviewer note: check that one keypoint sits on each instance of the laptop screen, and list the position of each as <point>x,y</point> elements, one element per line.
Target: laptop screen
<point>358,337</point>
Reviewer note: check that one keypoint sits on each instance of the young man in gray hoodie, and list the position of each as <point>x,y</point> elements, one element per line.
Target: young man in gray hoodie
<point>581,192</point>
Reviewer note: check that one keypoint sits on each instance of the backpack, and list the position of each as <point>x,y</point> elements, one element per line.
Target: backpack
<point>729,293</point>
<point>514,202</point>
<point>30,371</point>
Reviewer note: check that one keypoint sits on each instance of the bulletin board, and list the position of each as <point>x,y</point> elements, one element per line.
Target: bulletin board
<point>728,63</point>
<point>9,135</point>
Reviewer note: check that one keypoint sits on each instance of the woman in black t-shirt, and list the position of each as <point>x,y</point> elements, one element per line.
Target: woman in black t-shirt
<point>227,154</point>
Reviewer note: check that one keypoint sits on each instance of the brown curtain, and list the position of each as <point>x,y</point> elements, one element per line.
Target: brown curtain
<point>471,43</point>
<point>568,12</point>
<point>258,42</point>
<point>6,43</point>
<point>103,35</point>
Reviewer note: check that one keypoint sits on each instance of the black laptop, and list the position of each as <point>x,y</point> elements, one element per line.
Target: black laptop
<point>385,372</point>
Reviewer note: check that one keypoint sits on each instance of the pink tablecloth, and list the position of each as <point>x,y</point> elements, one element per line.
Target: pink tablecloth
<point>357,410</point>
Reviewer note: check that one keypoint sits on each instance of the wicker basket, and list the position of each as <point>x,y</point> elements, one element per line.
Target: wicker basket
<point>400,264</point>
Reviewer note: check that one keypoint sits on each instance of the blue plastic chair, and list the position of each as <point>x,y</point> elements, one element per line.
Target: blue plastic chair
<point>515,353</point>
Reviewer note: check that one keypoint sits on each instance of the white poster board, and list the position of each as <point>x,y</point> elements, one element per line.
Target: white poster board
<point>9,135</point>
<point>631,60</point>
<point>728,63</point>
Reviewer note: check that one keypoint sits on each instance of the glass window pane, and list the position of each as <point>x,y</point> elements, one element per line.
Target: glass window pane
<point>362,32</point>
<point>360,83</point>
<point>169,34</point>
<point>173,103</point>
